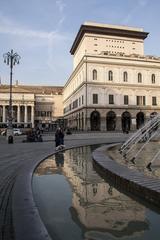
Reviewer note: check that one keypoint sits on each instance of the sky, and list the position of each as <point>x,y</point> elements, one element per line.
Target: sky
<point>42,33</point>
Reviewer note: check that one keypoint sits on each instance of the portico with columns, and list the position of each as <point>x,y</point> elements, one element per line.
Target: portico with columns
<point>32,106</point>
<point>22,108</point>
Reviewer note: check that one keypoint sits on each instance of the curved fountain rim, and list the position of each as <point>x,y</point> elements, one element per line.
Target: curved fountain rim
<point>130,180</point>
<point>36,227</point>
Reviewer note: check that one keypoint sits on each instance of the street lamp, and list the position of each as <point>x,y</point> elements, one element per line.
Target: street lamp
<point>11,59</point>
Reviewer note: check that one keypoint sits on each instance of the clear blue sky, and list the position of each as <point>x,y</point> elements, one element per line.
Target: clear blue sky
<point>42,32</point>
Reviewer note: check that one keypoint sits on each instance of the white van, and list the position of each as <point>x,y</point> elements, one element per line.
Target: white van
<point>17,132</point>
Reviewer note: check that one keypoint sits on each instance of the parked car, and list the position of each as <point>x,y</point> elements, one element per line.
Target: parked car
<point>17,132</point>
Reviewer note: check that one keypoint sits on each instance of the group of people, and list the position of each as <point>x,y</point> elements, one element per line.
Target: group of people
<point>34,135</point>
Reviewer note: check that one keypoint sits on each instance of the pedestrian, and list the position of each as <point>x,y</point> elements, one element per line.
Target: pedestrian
<point>59,138</point>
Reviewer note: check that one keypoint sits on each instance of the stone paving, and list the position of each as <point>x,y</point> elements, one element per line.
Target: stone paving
<point>19,218</point>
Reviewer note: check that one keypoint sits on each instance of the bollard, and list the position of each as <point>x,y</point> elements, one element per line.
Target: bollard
<point>10,139</point>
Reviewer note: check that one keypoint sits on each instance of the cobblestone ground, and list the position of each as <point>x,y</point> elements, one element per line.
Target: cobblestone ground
<point>18,160</point>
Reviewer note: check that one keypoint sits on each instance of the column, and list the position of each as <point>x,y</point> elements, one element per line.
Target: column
<point>25,114</point>
<point>4,113</point>
<point>85,122</point>
<point>32,116</point>
<point>18,114</point>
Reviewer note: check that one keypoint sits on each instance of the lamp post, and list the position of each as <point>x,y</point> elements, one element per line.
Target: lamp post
<point>11,59</point>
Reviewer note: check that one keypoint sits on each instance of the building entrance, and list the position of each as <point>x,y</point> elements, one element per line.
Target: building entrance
<point>126,122</point>
<point>140,119</point>
<point>111,121</point>
<point>95,121</point>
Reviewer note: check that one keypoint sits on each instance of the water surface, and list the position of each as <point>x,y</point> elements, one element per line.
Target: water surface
<point>75,203</point>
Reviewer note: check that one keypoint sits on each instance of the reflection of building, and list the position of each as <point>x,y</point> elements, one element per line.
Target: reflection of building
<point>113,84</point>
<point>40,105</point>
<point>47,167</point>
<point>96,204</point>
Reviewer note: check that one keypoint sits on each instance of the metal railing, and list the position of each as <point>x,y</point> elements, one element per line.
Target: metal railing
<point>143,135</point>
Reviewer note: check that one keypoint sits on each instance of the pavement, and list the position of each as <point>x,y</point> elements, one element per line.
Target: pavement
<point>19,217</point>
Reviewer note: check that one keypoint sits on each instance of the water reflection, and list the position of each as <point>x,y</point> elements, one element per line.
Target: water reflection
<point>95,209</point>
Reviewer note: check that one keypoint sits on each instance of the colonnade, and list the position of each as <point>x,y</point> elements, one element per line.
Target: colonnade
<point>108,120</point>
<point>77,121</point>
<point>21,114</point>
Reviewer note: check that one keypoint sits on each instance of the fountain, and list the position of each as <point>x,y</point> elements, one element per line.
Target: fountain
<point>144,135</point>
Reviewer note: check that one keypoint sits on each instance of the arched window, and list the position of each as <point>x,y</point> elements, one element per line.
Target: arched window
<point>94,74</point>
<point>153,78</point>
<point>139,77</point>
<point>125,77</point>
<point>110,76</point>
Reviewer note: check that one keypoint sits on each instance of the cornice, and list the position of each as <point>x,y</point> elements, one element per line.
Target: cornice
<point>147,63</point>
<point>75,71</point>
<point>115,107</point>
<point>115,86</point>
<point>106,31</point>
<point>32,89</point>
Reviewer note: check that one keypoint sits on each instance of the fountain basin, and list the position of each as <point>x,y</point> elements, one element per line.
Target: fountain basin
<point>131,180</point>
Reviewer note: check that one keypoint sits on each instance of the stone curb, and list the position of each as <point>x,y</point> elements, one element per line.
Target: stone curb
<point>133,181</point>
<point>27,222</point>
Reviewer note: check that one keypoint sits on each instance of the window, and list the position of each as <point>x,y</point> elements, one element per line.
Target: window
<point>125,99</point>
<point>75,104</point>
<point>153,78</point>
<point>82,99</point>
<point>110,76</point>
<point>141,101</point>
<point>94,74</point>
<point>125,77</point>
<point>139,77</point>
<point>95,98</point>
<point>154,101</point>
<point>111,99</point>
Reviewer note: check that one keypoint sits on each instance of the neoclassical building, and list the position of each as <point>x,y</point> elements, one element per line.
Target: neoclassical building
<point>32,106</point>
<point>114,85</point>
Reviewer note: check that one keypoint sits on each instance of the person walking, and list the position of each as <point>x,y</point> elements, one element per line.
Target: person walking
<point>59,138</point>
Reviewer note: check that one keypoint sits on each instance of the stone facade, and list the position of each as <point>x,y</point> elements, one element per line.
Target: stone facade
<point>31,105</point>
<point>113,86</point>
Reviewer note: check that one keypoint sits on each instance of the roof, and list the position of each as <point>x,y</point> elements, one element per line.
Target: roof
<point>106,29</point>
<point>32,89</point>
